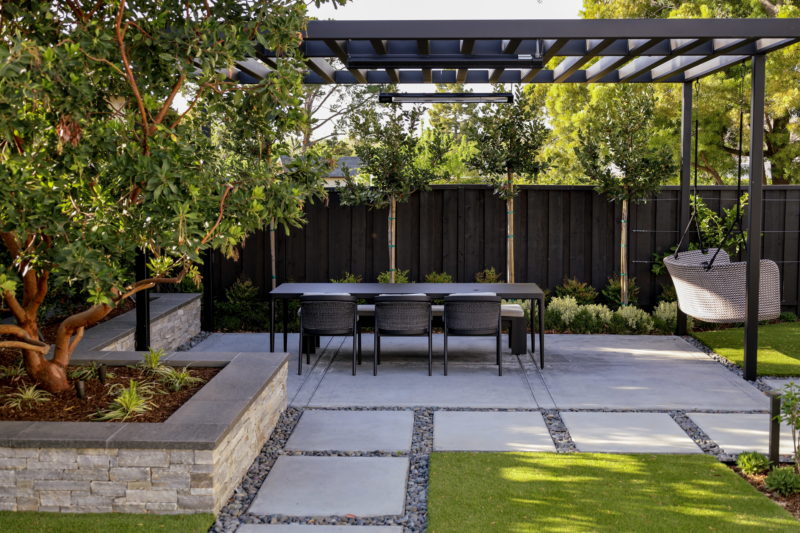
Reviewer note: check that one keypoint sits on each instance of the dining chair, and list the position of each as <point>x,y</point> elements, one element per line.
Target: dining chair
<point>402,315</point>
<point>332,315</point>
<point>473,315</point>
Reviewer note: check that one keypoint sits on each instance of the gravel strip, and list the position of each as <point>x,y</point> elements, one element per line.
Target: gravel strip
<point>559,432</point>
<point>194,341</point>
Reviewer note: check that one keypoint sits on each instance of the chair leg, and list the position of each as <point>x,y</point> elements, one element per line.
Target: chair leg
<point>355,349</point>
<point>359,344</point>
<point>430,351</point>
<point>499,355</point>
<point>445,349</point>
<point>300,356</point>
<point>375,349</point>
<point>316,340</point>
<point>379,345</point>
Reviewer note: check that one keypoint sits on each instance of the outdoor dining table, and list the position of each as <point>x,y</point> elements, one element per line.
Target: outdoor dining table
<point>368,291</point>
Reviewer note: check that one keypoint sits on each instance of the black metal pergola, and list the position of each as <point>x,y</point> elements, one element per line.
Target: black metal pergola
<point>518,51</point>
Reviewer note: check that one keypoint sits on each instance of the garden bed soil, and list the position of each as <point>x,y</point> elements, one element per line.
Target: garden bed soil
<point>791,503</point>
<point>67,407</point>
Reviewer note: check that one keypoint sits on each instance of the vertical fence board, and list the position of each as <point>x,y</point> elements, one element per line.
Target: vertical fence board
<point>791,224</point>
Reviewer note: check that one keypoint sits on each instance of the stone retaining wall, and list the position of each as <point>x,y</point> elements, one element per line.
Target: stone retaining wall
<point>137,474</point>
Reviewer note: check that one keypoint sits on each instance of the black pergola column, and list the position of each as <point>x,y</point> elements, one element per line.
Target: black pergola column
<point>208,290</point>
<point>686,182</point>
<point>753,275</point>
<point>142,334</point>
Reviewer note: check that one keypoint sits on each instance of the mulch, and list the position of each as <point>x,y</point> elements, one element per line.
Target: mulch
<point>791,503</point>
<point>67,407</point>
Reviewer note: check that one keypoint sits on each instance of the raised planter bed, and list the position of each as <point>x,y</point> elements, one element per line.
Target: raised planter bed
<point>188,464</point>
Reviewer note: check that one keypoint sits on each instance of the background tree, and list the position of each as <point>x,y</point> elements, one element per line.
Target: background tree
<point>394,163</point>
<point>508,139</point>
<point>331,108</point>
<point>95,162</point>
<point>455,118</point>
<point>617,154</point>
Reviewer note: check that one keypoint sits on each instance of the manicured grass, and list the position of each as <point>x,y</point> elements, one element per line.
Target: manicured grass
<point>24,522</point>
<point>533,492</point>
<point>778,347</point>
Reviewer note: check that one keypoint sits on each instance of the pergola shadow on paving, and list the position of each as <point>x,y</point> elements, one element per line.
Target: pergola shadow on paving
<point>518,51</point>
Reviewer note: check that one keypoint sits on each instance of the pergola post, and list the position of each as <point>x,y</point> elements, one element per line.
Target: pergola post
<point>753,273</point>
<point>686,181</point>
<point>141,337</point>
<point>208,290</point>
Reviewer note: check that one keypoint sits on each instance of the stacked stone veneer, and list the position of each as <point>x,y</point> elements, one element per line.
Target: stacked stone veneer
<point>174,319</point>
<point>136,480</point>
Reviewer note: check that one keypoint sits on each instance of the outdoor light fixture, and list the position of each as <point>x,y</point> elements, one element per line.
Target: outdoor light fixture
<point>446,98</point>
<point>445,61</point>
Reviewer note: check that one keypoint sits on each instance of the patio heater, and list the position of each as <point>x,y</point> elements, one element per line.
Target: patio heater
<point>446,98</point>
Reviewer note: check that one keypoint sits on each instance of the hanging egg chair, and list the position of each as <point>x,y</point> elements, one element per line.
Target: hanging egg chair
<point>718,295</point>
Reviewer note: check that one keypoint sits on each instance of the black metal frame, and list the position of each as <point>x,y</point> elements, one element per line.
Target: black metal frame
<point>402,333</point>
<point>141,338</point>
<point>488,332</point>
<point>446,98</point>
<point>310,337</point>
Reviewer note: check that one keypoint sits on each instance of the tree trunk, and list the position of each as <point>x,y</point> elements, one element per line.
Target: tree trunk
<point>392,233</point>
<point>624,254</point>
<point>272,250</point>
<point>510,229</point>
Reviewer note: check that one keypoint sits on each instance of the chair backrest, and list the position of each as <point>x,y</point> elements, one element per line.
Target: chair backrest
<point>330,312</point>
<point>472,313</point>
<point>402,312</point>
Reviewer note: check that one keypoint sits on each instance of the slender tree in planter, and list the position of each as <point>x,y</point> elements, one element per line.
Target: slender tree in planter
<point>508,138</point>
<point>395,160</point>
<point>615,152</point>
<point>96,162</point>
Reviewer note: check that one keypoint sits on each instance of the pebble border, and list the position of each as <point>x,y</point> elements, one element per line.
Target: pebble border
<point>194,341</point>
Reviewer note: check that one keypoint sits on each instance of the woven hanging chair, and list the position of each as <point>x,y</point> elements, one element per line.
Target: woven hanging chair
<point>718,295</point>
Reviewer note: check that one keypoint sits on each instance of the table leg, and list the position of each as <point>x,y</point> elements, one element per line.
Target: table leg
<point>533,326</point>
<point>541,332</point>
<point>285,324</point>
<point>272,324</point>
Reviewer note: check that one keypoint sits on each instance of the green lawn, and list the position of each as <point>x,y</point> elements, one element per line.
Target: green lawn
<point>23,522</point>
<point>532,492</point>
<point>778,347</point>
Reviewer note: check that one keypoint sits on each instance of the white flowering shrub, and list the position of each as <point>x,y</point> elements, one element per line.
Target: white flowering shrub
<point>600,313</point>
<point>566,306</point>
<point>665,318</point>
<point>637,320</point>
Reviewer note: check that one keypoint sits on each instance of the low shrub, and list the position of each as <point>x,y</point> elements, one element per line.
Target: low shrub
<point>435,277</point>
<point>489,276</point>
<point>788,317</point>
<point>753,463</point>
<point>613,292</point>
<point>242,311</point>
<point>583,293</point>
<point>668,293</point>
<point>400,276</point>
<point>784,481</point>
<point>563,310</point>
<point>665,318</point>
<point>348,278</point>
<point>637,320</point>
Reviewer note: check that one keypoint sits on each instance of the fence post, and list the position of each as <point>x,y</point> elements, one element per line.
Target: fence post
<point>774,426</point>
<point>208,290</point>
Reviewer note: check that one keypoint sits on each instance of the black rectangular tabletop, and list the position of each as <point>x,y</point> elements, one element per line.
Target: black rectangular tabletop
<point>522,291</point>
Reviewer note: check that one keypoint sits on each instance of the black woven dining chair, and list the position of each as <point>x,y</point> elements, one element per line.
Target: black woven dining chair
<point>329,315</point>
<point>473,315</point>
<point>402,315</point>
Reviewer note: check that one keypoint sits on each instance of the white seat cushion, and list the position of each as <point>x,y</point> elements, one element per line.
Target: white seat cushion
<point>366,310</point>
<point>405,294</point>
<point>326,294</point>
<point>474,294</point>
<point>512,310</point>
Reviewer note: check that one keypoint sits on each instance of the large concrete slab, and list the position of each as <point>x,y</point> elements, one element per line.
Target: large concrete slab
<point>321,486</point>
<point>627,433</point>
<point>477,350</point>
<point>408,385</point>
<point>362,431</point>
<point>491,431</point>
<point>779,383</point>
<point>313,528</point>
<point>641,372</point>
<point>741,432</point>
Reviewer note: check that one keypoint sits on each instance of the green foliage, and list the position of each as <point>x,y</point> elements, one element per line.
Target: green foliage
<point>584,293</point>
<point>637,320</point>
<point>508,139</point>
<point>489,276</point>
<point>435,277</point>
<point>615,151</point>
<point>26,396</point>
<point>790,415</point>
<point>566,308</point>
<point>613,291</point>
<point>787,316</point>
<point>176,379</point>
<point>784,481</point>
<point>13,372</point>
<point>88,372</point>
<point>668,293</point>
<point>400,276</point>
<point>665,318</point>
<point>130,401</point>
<point>242,290</point>
<point>151,361</point>
<point>753,463</point>
<point>348,278</point>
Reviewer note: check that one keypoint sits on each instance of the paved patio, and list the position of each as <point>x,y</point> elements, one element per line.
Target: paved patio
<point>358,453</point>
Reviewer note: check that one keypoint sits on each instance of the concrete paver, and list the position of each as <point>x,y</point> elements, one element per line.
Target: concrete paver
<point>323,486</point>
<point>741,432</point>
<point>627,433</point>
<point>779,383</point>
<point>320,430</point>
<point>491,431</point>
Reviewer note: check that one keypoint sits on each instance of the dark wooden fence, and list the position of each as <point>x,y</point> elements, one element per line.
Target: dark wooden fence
<point>560,232</point>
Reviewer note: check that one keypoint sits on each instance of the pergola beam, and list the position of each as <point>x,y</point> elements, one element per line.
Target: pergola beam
<point>683,63</point>
<point>572,64</point>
